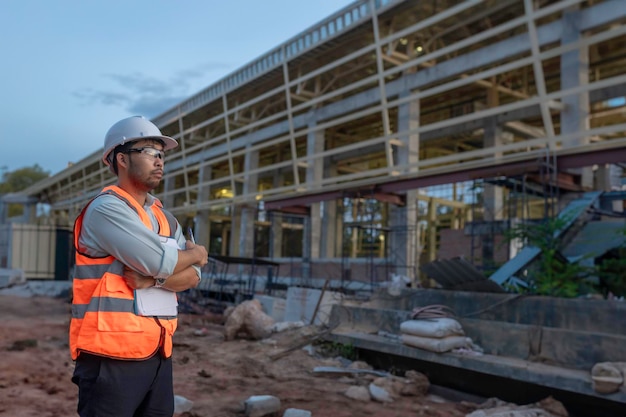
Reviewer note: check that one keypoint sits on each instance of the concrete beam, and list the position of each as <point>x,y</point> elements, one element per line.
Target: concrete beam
<point>590,18</point>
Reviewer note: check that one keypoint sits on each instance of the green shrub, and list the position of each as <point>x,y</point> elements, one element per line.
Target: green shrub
<point>551,274</point>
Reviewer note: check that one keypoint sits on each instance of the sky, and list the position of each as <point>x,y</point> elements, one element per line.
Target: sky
<point>72,68</point>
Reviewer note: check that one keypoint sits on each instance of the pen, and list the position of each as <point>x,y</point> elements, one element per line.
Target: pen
<point>191,235</point>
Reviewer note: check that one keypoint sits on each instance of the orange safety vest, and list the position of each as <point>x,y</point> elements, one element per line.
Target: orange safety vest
<point>104,321</point>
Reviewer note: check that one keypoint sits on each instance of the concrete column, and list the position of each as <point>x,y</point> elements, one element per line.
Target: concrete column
<point>236,230</point>
<point>276,232</point>
<point>29,215</point>
<point>202,219</point>
<point>402,241</point>
<point>248,212</point>
<point>330,228</point>
<point>169,185</point>
<point>408,119</point>
<point>493,195</point>
<point>314,174</point>
<point>4,212</point>
<point>574,73</point>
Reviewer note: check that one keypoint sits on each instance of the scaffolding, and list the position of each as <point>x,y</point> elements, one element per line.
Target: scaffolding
<point>538,185</point>
<point>373,251</point>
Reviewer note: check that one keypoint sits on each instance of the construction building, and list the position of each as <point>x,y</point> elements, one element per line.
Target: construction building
<point>389,135</point>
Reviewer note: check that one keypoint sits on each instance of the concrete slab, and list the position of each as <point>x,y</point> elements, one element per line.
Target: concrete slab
<point>559,347</point>
<point>9,277</point>
<point>273,306</point>
<point>576,381</point>
<point>40,288</point>
<point>599,316</point>
<point>301,304</point>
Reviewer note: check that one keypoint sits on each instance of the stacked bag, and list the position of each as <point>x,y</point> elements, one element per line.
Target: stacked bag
<point>608,377</point>
<point>431,330</point>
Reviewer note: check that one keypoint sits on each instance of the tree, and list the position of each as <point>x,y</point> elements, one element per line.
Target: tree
<point>612,270</point>
<point>552,274</point>
<point>18,180</point>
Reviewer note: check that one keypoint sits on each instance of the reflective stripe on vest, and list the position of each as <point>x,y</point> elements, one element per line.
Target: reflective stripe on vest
<point>104,321</point>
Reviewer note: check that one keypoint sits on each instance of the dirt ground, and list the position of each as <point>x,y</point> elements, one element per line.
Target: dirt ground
<point>218,376</point>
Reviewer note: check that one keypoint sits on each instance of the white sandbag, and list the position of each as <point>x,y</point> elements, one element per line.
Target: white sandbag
<point>438,345</point>
<point>437,327</point>
<point>608,377</point>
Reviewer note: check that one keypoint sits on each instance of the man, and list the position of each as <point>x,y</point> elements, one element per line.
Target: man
<point>130,254</point>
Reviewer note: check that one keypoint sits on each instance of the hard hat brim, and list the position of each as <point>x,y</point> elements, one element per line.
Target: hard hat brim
<point>168,143</point>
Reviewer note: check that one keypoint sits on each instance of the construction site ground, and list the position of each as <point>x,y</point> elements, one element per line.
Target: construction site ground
<point>216,375</point>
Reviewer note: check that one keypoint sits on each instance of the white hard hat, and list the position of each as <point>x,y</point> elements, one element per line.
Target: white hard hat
<point>130,129</point>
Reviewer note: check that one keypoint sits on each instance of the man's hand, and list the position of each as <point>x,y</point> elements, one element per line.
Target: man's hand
<point>137,281</point>
<point>199,251</point>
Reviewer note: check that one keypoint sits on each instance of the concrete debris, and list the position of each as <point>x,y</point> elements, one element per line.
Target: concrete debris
<point>415,386</point>
<point>509,412</point>
<point>287,325</point>
<point>379,394</point>
<point>294,412</point>
<point>419,384</point>
<point>10,277</point>
<point>388,388</point>
<point>335,371</point>
<point>358,393</point>
<point>182,404</point>
<point>261,405</point>
<point>201,332</point>
<point>249,321</point>
<point>397,284</point>
<point>54,289</point>
<point>361,365</point>
<point>494,407</point>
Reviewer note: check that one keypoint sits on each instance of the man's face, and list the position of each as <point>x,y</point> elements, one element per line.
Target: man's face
<point>145,164</point>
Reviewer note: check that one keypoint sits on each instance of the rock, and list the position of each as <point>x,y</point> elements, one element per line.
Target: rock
<point>10,277</point>
<point>553,406</point>
<point>392,384</point>
<point>261,405</point>
<point>507,411</point>
<point>379,394</point>
<point>360,365</point>
<point>182,404</point>
<point>248,319</point>
<point>294,412</point>
<point>340,372</point>
<point>418,384</point>
<point>494,407</point>
<point>287,325</point>
<point>358,393</point>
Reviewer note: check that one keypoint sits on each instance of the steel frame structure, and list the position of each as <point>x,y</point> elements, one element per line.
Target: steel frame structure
<point>321,114</point>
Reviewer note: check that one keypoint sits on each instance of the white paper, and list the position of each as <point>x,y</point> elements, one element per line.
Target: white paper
<point>157,301</point>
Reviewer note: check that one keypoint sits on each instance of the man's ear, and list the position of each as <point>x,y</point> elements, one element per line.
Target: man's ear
<point>121,159</point>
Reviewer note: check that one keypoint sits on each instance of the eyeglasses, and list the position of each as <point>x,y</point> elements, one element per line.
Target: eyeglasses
<point>154,153</point>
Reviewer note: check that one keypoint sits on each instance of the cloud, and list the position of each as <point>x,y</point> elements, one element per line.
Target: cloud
<point>146,95</point>
<point>152,106</point>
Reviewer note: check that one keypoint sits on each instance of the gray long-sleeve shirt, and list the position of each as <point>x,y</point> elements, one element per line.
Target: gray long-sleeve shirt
<point>111,227</point>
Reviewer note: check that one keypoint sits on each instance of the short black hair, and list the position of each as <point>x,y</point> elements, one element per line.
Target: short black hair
<point>124,147</point>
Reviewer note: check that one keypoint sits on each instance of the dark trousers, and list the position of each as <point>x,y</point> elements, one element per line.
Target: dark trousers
<point>117,388</point>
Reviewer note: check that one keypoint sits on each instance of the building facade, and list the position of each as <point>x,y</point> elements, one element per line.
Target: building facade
<point>345,151</point>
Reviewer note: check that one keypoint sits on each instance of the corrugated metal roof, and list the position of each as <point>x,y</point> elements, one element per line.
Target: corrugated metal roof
<point>571,213</point>
<point>459,274</point>
<point>595,239</point>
